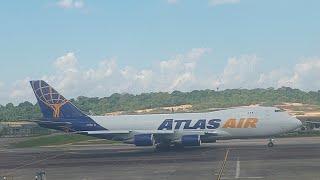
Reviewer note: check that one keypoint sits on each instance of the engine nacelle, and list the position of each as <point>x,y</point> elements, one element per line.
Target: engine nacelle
<point>190,140</point>
<point>143,140</point>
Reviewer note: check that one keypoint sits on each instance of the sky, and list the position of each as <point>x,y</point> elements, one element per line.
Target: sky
<point>97,48</point>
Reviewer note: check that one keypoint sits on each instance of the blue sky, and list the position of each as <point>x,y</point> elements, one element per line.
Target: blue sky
<point>141,46</point>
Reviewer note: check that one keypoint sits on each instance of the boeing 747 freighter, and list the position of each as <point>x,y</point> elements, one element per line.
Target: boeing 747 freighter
<point>163,130</point>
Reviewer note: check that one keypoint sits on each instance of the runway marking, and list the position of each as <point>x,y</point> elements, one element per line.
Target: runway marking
<point>223,165</point>
<point>243,178</point>
<point>237,176</point>
<point>237,169</point>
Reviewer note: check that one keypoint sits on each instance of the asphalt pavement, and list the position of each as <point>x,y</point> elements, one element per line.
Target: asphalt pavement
<point>290,158</point>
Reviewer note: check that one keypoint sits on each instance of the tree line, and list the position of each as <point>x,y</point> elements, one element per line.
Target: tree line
<point>199,99</point>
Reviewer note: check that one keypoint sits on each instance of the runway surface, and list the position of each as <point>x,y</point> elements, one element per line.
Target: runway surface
<point>291,158</point>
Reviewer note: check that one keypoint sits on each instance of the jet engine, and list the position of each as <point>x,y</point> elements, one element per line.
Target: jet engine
<point>143,140</point>
<point>190,140</point>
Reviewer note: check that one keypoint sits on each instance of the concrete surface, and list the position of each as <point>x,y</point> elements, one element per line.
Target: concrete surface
<point>291,158</point>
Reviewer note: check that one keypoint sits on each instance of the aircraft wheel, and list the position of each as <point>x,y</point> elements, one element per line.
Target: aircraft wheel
<point>270,144</point>
<point>178,146</point>
<point>162,147</point>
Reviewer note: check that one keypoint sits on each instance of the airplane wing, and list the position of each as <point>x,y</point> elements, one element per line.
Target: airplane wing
<point>217,133</point>
<point>162,133</point>
<point>125,132</point>
<point>154,132</point>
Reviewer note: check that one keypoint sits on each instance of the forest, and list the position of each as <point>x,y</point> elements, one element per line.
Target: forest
<point>200,100</point>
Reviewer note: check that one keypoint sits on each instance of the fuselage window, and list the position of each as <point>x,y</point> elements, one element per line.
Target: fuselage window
<point>278,110</point>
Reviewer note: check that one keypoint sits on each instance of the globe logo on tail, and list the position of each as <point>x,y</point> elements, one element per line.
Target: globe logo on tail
<point>49,97</point>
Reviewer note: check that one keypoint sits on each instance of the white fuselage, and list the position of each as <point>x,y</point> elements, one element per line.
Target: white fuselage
<point>241,122</point>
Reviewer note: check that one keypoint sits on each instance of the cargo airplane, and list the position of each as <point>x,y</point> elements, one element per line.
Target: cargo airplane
<point>163,130</point>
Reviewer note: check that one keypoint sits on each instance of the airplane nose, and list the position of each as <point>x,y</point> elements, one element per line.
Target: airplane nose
<point>292,123</point>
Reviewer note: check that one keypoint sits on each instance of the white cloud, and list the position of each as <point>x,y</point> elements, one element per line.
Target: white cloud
<point>197,53</point>
<point>305,75</point>
<point>67,62</point>
<point>184,61</point>
<point>223,2</point>
<point>240,72</point>
<point>180,72</point>
<point>105,69</point>
<point>181,79</point>
<point>132,74</point>
<point>19,91</point>
<point>246,72</point>
<point>144,75</point>
<point>273,78</point>
<point>171,63</point>
<point>70,4</point>
<point>107,77</point>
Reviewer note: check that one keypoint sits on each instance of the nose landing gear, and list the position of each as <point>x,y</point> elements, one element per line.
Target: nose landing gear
<point>271,142</point>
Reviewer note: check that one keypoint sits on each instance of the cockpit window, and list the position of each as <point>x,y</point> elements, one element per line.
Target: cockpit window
<point>279,110</point>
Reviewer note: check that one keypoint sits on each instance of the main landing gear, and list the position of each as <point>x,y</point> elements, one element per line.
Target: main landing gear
<point>162,147</point>
<point>167,147</point>
<point>271,142</point>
